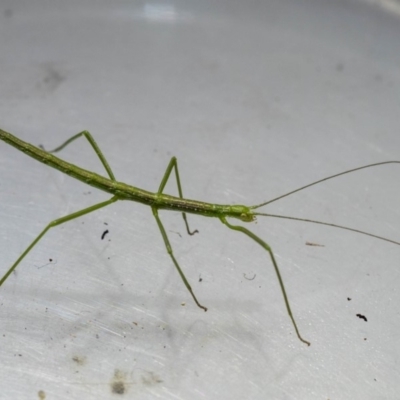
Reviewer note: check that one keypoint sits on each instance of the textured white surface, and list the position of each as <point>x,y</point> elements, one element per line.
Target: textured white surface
<point>255,99</point>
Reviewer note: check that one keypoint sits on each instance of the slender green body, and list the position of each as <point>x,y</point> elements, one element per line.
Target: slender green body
<point>160,201</point>
<point>127,192</point>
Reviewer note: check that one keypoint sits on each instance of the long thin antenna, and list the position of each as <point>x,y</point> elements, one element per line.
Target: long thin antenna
<point>328,224</point>
<point>322,180</point>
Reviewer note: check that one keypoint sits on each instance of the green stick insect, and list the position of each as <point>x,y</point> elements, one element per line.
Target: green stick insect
<point>161,201</point>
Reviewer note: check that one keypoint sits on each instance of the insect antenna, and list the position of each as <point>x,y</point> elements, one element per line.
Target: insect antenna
<point>328,224</point>
<point>320,222</point>
<point>322,180</point>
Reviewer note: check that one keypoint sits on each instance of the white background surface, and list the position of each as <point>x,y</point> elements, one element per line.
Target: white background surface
<point>255,99</point>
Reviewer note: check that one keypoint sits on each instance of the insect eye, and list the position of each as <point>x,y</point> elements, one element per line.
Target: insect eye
<point>246,217</point>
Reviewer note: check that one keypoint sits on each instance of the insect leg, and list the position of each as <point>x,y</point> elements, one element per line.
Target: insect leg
<point>174,164</point>
<point>95,147</point>
<point>171,254</point>
<point>54,223</point>
<point>265,246</point>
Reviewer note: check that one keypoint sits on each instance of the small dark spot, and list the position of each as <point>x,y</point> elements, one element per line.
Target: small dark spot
<point>79,360</point>
<point>118,388</point>
<point>362,317</point>
<point>314,244</point>
<point>104,234</point>
<point>118,382</point>
<point>177,233</point>
<point>339,67</point>
<point>200,278</point>
<point>349,299</point>
<point>52,79</point>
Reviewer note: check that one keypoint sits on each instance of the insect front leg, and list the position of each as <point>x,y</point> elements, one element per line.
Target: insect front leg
<point>174,164</point>
<point>171,254</point>
<point>265,246</point>
<point>52,224</point>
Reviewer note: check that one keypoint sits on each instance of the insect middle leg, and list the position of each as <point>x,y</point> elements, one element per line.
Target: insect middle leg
<point>54,223</point>
<point>174,164</point>
<point>94,145</point>
<point>171,254</point>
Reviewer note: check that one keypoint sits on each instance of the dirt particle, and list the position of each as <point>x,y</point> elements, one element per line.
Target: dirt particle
<point>362,317</point>
<point>41,394</point>
<point>79,360</point>
<point>118,383</point>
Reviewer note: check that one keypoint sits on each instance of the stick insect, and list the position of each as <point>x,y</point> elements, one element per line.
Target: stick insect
<point>161,201</point>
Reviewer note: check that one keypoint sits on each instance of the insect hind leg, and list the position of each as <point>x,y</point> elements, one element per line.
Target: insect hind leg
<point>52,224</point>
<point>95,147</point>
